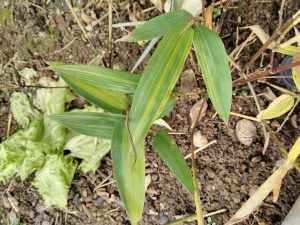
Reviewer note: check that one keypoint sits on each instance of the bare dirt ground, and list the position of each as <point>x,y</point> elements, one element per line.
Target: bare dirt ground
<point>227,171</point>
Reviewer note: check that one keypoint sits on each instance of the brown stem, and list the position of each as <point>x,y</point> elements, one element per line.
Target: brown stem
<point>256,76</point>
<point>197,194</point>
<point>273,38</point>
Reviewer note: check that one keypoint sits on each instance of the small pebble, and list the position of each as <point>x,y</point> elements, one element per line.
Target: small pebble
<point>98,202</point>
<point>163,219</point>
<point>256,159</point>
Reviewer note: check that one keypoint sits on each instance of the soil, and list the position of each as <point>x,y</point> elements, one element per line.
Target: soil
<point>227,171</point>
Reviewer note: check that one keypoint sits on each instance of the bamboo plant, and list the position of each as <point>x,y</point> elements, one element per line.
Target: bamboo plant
<point>133,102</point>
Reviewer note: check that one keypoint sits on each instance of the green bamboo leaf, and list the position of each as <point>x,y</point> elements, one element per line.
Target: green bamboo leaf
<point>99,76</point>
<point>277,108</point>
<point>109,100</point>
<point>160,25</point>
<point>168,107</point>
<point>129,172</point>
<point>158,80</point>
<point>213,60</point>
<point>171,155</point>
<point>93,124</point>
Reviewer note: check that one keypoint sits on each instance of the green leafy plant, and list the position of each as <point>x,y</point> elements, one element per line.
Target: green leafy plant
<point>39,146</point>
<point>137,101</point>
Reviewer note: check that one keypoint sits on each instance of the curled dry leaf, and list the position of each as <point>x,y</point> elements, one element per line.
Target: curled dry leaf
<point>245,131</point>
<point>199,140</point>
<point>193,6</point>
<point>257,198</point>
<point>265,189</point>
<point>167,6</point>
<point>137,13</point>
<point>158,4</point>
<point>163,123</point>
<point>188,80</point>
<point>201,105</point>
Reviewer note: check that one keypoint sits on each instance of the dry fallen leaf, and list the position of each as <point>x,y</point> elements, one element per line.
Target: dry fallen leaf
<point>245,131</point>
<point>137,13</point>
<point>199,140</point>
<point>163,123</point>
<point>147,181</point>
<point>208,16</point>
<point>188,80</point>
<point>202,104</point>
<point>193,6</point>
<point>265,189</point>
<point>167,6</point>
<point>158,4</point>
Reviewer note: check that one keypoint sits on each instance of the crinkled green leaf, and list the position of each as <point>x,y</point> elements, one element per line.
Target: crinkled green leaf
<point>91,150</point>
<point>27,75</point>
<point>53,181</point>
<point>93,124</point>
<point>52,101</point>
<point>21,154</point>
<point>22,109</point>
<point>160,25</point>
<point>213,60</point>
<point>129,172</point>
<point>171,155</point>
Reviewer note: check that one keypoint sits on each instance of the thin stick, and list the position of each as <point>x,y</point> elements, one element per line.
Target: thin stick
<point>256,76</point>
<point>80,25</point>
<point>63,48</point>
<point>245,116</point>
<point>200,149</point>
<point>274,37</point>
<point>102,182</point>
<point>27,86</point>
<point>110,32</point>
<point>196,194</point>
<point>219,28</point>
<point>194,216</point>
<point>8,125</point>
<point>278,142</point>
<point>288,116</point>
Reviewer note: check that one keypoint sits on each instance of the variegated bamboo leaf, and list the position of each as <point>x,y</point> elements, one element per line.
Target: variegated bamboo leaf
<point>160,25</point>
<point>99,76</point>
<point>129,171</point>
<point>93,124</point>
<point>158,80</point>
<point>171,155</point>
<point>109,100</point>
<point>213,60</point>
<point>277,108</point>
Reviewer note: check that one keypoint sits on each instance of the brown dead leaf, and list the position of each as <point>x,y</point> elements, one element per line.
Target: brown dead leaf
<point>193,6</point>
<point>208,16</point>
<point>158,4</point>
<point>245,131</point>
<point>136,14</point>
<point>188,80</point>
<point>202,104</point>
<point>262,35</point>
<point>265,189</point>
<point>199,140</point>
